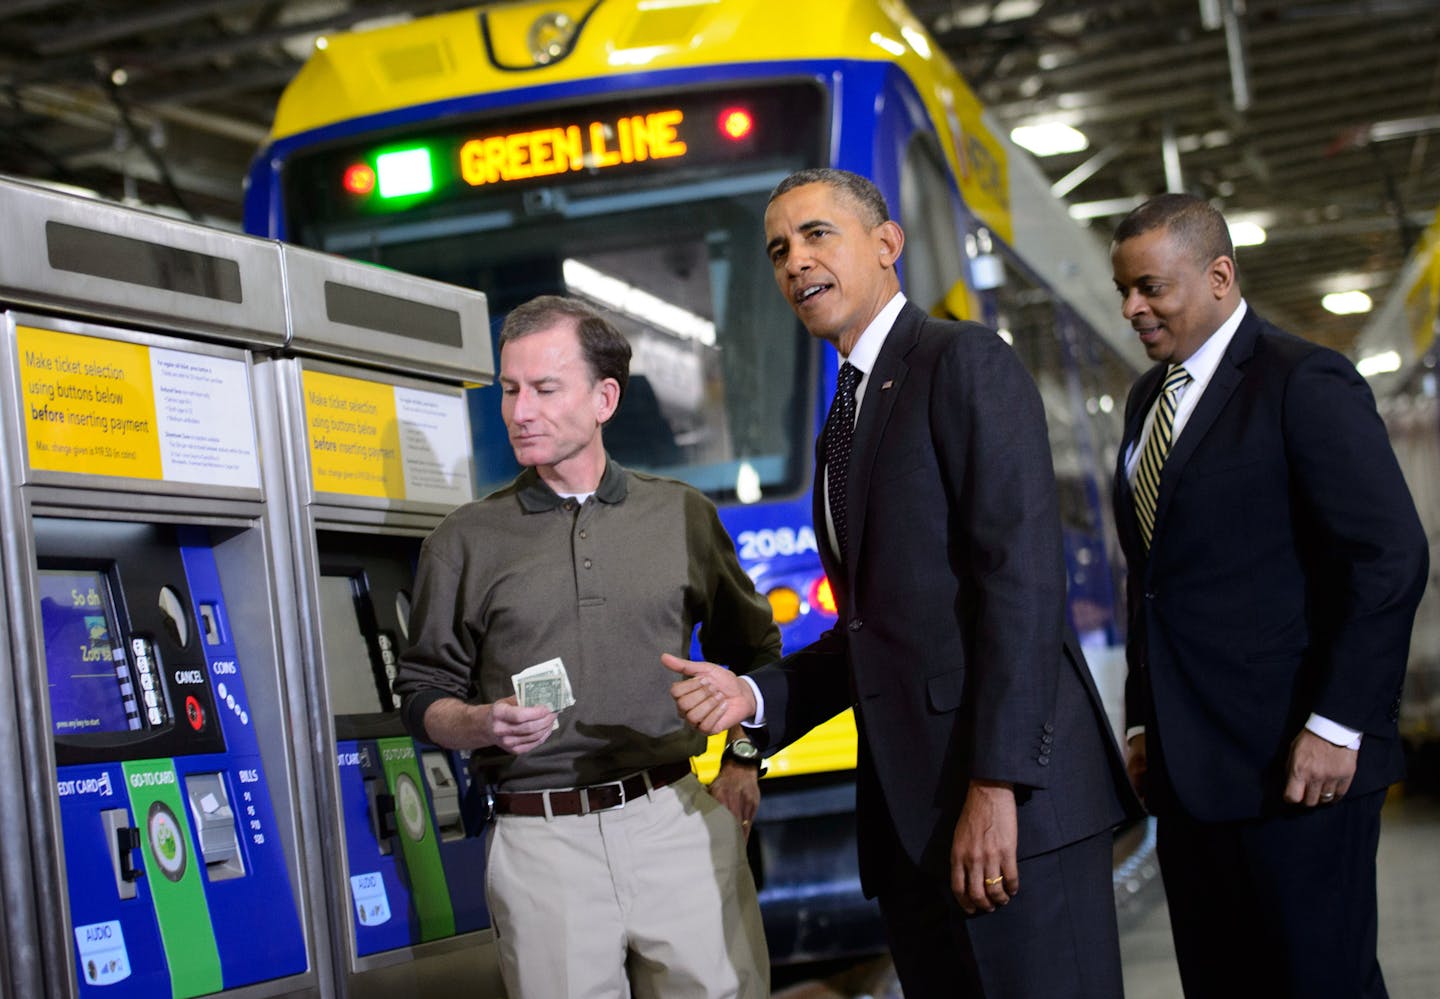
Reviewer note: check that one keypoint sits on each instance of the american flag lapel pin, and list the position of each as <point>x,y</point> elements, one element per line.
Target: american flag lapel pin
<point>887,384</point>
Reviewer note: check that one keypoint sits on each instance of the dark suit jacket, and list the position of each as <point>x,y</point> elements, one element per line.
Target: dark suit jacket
<point>950,642</point>
<point>1283,577</point>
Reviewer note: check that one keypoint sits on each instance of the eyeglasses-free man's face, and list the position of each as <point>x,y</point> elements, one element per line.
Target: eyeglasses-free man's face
<point>1172,300</point>
<point>836,273</point>
<point>552,403</point>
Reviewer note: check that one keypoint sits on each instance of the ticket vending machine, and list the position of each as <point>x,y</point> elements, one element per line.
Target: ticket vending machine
<point>166,825</point>
<point>367,402</point>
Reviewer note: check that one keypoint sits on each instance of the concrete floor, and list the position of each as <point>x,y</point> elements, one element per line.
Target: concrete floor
<point>1409,898</point>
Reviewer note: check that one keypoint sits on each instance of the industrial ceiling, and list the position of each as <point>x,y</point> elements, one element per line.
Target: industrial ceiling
<point>1318,120</point>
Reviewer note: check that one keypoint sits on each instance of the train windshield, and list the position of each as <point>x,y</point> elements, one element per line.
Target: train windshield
<point>652,208</point>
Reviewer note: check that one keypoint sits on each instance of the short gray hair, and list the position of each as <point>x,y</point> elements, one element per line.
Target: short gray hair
<point>863,195</point>
<point>606,351</point>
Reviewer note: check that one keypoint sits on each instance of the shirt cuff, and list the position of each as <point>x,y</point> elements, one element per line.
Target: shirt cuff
<point>1333,732</point>
<point>1133,731</point>
<point>759,720</point>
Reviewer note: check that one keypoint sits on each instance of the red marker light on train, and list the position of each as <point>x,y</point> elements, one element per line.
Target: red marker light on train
<point>736,123</point>
<point>821,596</point>
<point>359,179</point>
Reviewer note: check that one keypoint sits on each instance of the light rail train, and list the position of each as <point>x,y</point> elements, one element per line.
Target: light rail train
<point>622,151</point>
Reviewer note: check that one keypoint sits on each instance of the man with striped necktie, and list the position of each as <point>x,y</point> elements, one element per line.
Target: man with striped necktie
<point>1275,564</point>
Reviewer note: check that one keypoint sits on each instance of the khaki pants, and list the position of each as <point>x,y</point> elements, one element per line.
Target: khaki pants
<point>654,899</point>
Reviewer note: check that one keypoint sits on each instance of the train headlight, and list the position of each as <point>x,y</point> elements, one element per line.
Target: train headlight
<point>550,37</point>
<point>784,604</point>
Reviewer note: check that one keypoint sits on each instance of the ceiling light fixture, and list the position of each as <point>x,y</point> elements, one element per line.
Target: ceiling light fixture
<point>1378,364</point>
<point>1347,303</point>
<point>1049,139</point>
<point>1247,233</point>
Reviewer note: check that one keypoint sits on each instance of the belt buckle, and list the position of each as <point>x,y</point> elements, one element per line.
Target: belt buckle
<point>585,808</point>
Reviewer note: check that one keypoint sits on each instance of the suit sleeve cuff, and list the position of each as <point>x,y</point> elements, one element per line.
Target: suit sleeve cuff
<point>1333,732</point>
<point>759,720</point>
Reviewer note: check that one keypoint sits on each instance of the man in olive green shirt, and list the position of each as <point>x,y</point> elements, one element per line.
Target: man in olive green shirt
<point>602,830</point>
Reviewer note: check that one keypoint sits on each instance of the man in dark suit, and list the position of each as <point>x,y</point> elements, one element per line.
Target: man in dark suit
<point>1275,564</point>
<point>985,760</point>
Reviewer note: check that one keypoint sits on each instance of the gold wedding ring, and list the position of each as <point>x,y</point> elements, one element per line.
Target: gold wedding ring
<point>991,882</point>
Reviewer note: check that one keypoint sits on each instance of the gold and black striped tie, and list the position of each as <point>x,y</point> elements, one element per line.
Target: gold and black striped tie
<point>1147,474</point>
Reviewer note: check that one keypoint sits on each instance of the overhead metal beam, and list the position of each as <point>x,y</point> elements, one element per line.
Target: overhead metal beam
<point>1103,209</point>
<point>86,108</point>
<point>19,8</point>
<point>133,162</point>
<point>1170,154</point>
<point>1235,51</point>
<point>73,37</point>
<point>1402,128</point>
<point>260,78</point>
<point>1088,169</point>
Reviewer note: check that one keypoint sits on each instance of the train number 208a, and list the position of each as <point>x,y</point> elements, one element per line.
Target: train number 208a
<point>768,543</point>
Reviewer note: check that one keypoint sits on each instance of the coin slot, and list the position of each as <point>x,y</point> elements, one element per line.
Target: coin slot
<point>210,624</point>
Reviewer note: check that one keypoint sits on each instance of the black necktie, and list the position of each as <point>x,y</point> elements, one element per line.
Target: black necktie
<point>838,435</point>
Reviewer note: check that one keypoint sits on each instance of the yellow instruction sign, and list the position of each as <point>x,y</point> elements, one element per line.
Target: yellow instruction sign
<point>96,406</point>
<point>89,405</point>
<point>354,436</point>
<point>398,442</point>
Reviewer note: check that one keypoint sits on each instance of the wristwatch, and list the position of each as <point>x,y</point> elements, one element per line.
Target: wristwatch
<point>744,751</point>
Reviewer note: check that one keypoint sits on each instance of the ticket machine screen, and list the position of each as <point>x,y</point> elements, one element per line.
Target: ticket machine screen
<point>94,686</point>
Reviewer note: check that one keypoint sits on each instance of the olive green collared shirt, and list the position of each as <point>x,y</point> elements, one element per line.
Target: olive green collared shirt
<point>606,586</point>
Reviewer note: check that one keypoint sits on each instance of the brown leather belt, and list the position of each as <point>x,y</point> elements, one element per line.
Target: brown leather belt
<point>595,798</point>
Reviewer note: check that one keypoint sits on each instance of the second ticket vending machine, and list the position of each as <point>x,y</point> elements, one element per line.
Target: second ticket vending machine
<point>368,400</point>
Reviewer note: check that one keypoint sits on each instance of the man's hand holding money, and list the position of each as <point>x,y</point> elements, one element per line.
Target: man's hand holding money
<point>517,729</point>
<point>453,723</point>
<point>544,685</point>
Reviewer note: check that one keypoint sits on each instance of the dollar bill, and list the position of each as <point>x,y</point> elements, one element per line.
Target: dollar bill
<point>547,691</point>
<point>544,684</point>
